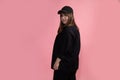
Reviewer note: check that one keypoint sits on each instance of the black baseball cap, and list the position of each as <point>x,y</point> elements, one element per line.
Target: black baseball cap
<point>66,9</point>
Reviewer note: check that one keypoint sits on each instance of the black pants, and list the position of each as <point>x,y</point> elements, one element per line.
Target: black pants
<point>64,75</point>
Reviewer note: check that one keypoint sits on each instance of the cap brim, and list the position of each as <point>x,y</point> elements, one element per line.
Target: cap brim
<point>62,11</point>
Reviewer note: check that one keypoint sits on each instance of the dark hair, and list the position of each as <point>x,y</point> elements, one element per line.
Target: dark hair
<point>71,22</point>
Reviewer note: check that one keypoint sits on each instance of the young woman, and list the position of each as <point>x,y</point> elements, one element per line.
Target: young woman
<point>65,56</point>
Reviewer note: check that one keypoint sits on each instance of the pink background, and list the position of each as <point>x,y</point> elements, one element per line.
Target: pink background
<point>28,29</point>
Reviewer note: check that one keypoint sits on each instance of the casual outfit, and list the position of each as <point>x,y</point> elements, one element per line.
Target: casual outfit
<point>66,47</point>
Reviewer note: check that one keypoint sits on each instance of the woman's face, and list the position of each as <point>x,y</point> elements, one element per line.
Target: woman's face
<point>63,18</point>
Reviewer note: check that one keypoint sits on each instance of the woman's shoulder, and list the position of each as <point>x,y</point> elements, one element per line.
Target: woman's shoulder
<point>70,29</point>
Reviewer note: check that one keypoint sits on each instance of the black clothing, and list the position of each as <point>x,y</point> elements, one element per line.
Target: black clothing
<point>67,47</point>
<point>64,75</point>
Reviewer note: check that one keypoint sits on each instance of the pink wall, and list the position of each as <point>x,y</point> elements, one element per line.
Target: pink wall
<point>28,29</point>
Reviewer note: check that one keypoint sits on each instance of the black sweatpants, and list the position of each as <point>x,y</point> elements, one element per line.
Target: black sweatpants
<point>64,75</point>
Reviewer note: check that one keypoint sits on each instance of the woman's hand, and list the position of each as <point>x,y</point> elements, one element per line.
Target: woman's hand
<point>56,65</point>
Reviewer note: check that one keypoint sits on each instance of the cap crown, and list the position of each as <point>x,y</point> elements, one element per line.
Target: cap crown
<point>66,9</point>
